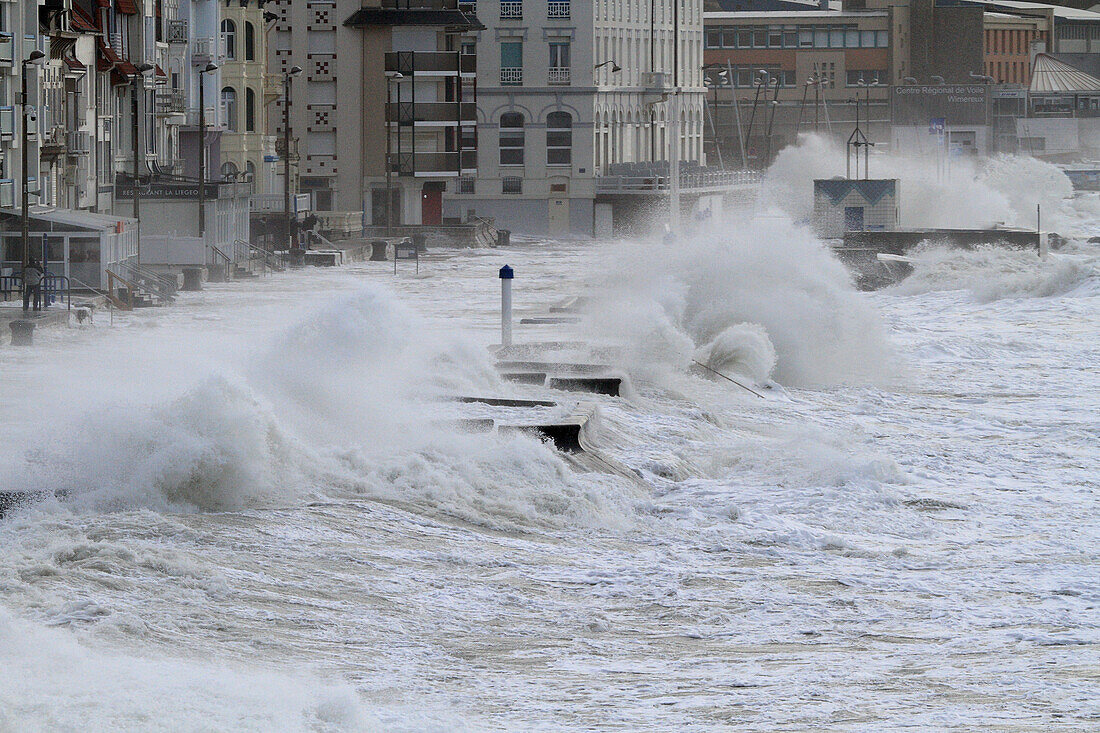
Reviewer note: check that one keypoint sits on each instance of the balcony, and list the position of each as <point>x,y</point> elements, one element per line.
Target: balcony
<point>203,51</point>
<point>559,75</point>
<point>510,10</point>
<point>7,49</point>
<point>557,9</point>
<point>7,122</point>
<point>511,76</point>
<point>170,102</point>
<point>177,31</point>
<point>79,143</point>
<point>432,113</point>
<point>434,164</point>
<point>431,63</point>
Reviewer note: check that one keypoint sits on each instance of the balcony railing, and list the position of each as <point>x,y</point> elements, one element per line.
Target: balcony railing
<point>559,75</point>
<point>510,10</point>
<point>177,31</point>
<point>273,202</point>
<point>79,143</point>
<point>170,101</point>
<point>557,9</point>
<point>511,76</point>
<point>407,113</point>
<point>7,48</point>
<point>203,50</point>
<point>431,62</point>
<point>7,193</point>
<point>7,121</point>
<point>427,164</point>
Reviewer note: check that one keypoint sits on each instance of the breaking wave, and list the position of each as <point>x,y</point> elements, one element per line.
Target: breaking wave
<point>763,298</point>
<point>995,273</point>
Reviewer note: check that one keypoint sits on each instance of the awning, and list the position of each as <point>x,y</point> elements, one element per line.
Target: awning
<point>1051,76</point>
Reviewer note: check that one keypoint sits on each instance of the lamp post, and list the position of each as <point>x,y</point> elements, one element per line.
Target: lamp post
<point>719,78</point>
<point>140,71</point>
<point>37,58</point>
<point>287,215</point>
<point>202,147</point>
<point>391,77</point>
<point>761,82</point>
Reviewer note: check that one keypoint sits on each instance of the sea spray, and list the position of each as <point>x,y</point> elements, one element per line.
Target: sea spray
<point>967,192</point>
<point>785,295</point>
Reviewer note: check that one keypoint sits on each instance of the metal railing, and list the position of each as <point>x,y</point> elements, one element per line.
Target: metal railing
<point>170,101</point>
<point>511,10</point>
<point>557,9</point>
<point>247,251</point>
<point>52,285</point>
<point>688,181</point>
<point>559,74</point>
<point>165,288</point>
<point>511,75</point>
<point>218,254</point>
<point>112,288</point>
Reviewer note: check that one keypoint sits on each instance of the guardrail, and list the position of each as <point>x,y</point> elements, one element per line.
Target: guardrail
<point>688,181</point>
<point>164,287</point>
<point>52,285</point>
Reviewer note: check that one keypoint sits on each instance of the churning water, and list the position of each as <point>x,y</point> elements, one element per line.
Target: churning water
<point>271,525</point>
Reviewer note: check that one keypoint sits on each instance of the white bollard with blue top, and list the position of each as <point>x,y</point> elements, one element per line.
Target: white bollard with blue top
<point>507,274</point>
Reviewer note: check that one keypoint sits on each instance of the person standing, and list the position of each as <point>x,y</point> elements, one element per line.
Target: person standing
<point>32,285</point>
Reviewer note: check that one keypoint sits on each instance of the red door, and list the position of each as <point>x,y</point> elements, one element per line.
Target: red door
<point>431,206</point>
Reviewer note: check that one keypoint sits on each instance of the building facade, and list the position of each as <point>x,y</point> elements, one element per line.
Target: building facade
<point>566,90</point>
<point>1011,43</point>
<point>247,152</point>
<point>385,82</point>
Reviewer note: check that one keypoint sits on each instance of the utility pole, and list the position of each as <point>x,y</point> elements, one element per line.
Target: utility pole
<point>37,58</point>
<point>202,147</point>
<point>288,221</point>
<point>139,74</point>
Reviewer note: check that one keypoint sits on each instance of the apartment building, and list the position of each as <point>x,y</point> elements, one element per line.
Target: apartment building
<point>245,143</point>
<point>570,89</point>
<point>387,83</point>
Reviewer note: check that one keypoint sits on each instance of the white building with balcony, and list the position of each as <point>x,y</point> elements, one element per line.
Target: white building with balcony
<point>568,89</point>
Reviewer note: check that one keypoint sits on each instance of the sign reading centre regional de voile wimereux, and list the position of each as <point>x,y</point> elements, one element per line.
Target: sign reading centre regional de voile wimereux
<point>958,104</point>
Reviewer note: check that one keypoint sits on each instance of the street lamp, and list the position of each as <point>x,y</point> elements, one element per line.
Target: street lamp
<point>391,77</point>
<point>210,68</point>
<point>37,58</point>
<point>139,72</point>
<point>719,78</point>
<point>287,221</point>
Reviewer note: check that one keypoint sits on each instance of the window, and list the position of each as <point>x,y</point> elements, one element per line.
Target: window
<point>714,38</point>
<point>229,39</point>
<point>559,55</point>
<point>250,175</point>
<point>511,63</point>
<point>229,171</point>
<point>867,39</point>
<point>821,38</point>
<point>760,39</point>
<point>805,38</point>
<point>511,184</point>
<point>229,105</point>
<point>851,38</point>
<point>559,138</point>
<point>775,38</point>
<point>465,186</point>
<point>882,39</point>
<point>790,39</point>
<point>744,38</point>
<point>249,42</point>
<point>836,38</point>
<point>249,110</point>
<point>511,138</point>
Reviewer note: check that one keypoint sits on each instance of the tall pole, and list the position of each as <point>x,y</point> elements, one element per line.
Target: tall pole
<point>134,114</point>
<point>674,164</point>
<point>36,57</point>
<point>286,164</point>
<point>737,115</point>
<point>24,171</point>
<point>389,164</point>
<point>202,154</point>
